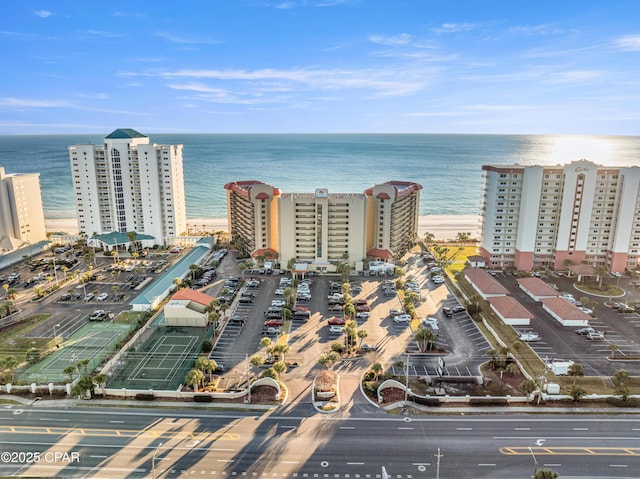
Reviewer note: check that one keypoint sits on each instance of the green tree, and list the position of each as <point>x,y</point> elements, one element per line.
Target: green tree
<point>620,377</point>
<point>69,370</point>
<point>601,271</point>
<point>279,367</point>
<point>362,334</point>
<point>327,360</point>
<point>512,368</point>
<point>613,348</point>
<point>575,370</point>
<point>280,350</point>
<point>9,363</point>
<point>256,361</point>
<point>545,474</point>
<point>577,392</point>
<point>527,387</point>
<point>425,337</point>
<point>194,378</point>
<point>377,369</point>
<point>350,330</point>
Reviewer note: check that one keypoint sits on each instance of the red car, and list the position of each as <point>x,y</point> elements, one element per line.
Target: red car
<point>300,309</point>
<point>362,308</point>
<point>361,302</point>
<point>273,322</point>
<point>337,321</point>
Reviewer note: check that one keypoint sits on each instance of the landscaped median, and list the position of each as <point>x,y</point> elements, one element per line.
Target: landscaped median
<point>325,391</point>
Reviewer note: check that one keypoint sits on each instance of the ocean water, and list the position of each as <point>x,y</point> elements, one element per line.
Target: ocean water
<point>447,166</point>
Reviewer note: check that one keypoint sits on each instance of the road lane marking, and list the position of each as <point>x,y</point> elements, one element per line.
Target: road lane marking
<point>98,457</point>
<point>56,420</point>
<point>355,463</point>
<point>346,427</point>
<point>580,428</point>
<point>464,429</point>
<point>570,451</point>
<point>117,422</point>
<point>522,428</point>
<point>489,465</point>
<point>406,428</point>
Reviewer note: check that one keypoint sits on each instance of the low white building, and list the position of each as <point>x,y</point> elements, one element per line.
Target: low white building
<point>485,284</point>
<point>536,288</point>
<point>187,308</point>
<point>565,313</point>
<point>510,311</point>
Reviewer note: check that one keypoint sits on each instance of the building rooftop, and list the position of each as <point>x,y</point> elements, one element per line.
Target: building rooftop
<point>116,238</point>
<point>188,294</point>
<point>565,310</point>
<point>510,308</point>
<point>484,282</point>
<point>537,287</point>
<point>124,133</point>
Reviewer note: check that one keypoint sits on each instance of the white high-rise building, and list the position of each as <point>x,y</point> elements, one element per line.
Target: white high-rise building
<point>550,216</point>
<point>21,214</point>
<point>128,184</point>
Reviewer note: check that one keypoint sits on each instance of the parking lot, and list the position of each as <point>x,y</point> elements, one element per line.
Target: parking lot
<point>562,342</point>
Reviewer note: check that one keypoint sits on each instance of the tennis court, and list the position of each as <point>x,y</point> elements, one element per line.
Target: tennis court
<point>161,362</point>
<point>93,342</point>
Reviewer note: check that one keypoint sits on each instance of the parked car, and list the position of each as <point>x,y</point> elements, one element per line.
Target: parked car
<point>395,312</point>
<point>402,318</point>
<point>271,330</point>
<point>98,315</point>
<point>65,297</point>
<point>337,321</point>
<point>585,331</point>
<point>438,279</point>
<point>363,314</point>
<point>102,297</point>
<point>336,330</point>
<point>529,336</point>
<point>273,322</point>
<point>448,312</point>
<point>89,297</point>
<point>595,336</point>
<point>458,309</point>
<point>368,347</point>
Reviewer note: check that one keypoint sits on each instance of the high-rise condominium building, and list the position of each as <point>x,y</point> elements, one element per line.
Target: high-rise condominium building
<point>21,214</point>
<point>128,184</point>
<point>323,228</point>
<point>553,216</point>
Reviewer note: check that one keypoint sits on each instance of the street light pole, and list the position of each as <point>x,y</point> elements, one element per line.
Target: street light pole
<point>153,460</point>
<point>535,462</point>
<point>55,334</point>
<point>406,383</point>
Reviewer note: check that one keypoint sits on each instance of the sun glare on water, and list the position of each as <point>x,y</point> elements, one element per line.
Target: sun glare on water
<point>600,150</point>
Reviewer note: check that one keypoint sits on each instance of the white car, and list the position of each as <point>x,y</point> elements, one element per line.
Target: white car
<point>336,329</point>
<point>528,337</point>
<point>438,279</point>
<point>102,297</point>
<point>278,303</point>
<point>402,318</point>
<point>363,314</point>
<point>279,292</point>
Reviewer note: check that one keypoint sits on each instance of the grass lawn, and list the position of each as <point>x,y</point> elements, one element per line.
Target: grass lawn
<point>458,256</point>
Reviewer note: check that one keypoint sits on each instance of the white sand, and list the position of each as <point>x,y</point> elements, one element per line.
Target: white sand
<point>443,227</point>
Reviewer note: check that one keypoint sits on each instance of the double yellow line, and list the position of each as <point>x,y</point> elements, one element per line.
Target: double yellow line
<point>570,451</point>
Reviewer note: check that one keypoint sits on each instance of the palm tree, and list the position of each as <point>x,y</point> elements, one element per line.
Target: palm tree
<point>601,271</point>
<point>577,393</point>
<point>194,378</point>
<point>377,369</point>
<point>613,348</point>
<point>425,338</point>
<point>69,370</point>
<point>280,350</point>
<point>349,310</point>
<point>462,238</point>
<point>327,360</point>
<point>362,334</point>
<point>256,361</point>
<point>429,238</point>
<point>620,377</point>
<point>575,370</point>
<point>10,363</point>
<point>512,368</point>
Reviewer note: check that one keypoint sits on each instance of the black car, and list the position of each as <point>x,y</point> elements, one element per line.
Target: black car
<point>585,331</point>
<point>65,297</point>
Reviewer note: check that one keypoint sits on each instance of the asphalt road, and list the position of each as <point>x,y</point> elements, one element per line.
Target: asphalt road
<point>123,443</point>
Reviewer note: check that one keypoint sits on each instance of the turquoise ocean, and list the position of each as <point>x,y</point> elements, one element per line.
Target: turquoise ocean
<point>449,167</point>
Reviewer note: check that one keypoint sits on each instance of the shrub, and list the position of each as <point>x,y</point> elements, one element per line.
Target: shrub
<point>488,402</point>
<point>144,397</point>
<point>202,398</point>
<point>207,346</point>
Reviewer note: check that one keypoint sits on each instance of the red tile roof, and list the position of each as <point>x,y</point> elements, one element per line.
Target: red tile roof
<point>193,295</point>
<point>383,196</point>
<point>510,307</point>
<point>484,282</point>
<point>565,310</point>
<point>265,252</point>
<point>380,253</point>
<point>537,287</point>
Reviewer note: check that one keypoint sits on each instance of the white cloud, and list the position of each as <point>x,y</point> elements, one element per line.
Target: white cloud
<point>30,103</point>
<point>382,82</point>
<point>543,29</point>
<point>453,27</point>
<point>285,5</point>
<point>43,13</point>
<point>185,40</point>
<point>394,40</point>
<point>629,42</point>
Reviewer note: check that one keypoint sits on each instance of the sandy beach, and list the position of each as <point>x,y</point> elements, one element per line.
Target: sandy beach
<point>443,227</point>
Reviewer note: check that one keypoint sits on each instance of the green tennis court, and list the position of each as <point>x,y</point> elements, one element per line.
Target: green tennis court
<point>93,342</point>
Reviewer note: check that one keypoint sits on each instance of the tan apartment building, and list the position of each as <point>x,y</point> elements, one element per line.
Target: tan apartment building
<point>21,213</point>
<point>322,228</point>
<point>549,216</point>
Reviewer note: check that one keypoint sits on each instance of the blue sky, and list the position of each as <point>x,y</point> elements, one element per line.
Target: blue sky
<point>288,66</point>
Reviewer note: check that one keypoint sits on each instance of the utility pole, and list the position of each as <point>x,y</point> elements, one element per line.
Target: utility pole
<point>543,380</point>
<point>406,383</point>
